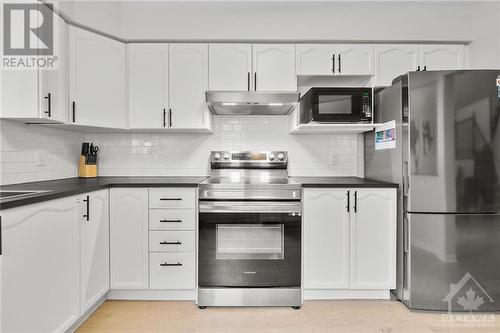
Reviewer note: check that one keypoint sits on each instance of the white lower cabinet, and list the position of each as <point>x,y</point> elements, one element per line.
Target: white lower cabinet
<point>349,239</point>
<point>172,270</point>
<point>94,248</point>
<point>40,266</point>
<point>129,238</point>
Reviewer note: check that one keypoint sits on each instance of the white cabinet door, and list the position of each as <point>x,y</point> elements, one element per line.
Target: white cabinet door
<point>354,59</point>
<point>19,94</point>
<point>53,84</point>
<point>94,248</point>
<point>441,57</point>
<point>315,59</point>
<point>230,66</point>
<point>326,238</point>
<point>274,67</point>
<point>373,239</point>
<point>97,93</point>
<point>148,85</point>
<point>129,238</point>
<point>188,81</point>
<point>40,270</point>
<point>392,60</point>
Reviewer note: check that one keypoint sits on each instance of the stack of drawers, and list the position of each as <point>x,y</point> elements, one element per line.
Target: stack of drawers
<point>172,238</point>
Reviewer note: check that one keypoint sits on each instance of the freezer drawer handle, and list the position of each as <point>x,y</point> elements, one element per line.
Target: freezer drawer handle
<point>170,243</point>
<point>170,199</point>
<point>171,221</point>
<point>165,264</point>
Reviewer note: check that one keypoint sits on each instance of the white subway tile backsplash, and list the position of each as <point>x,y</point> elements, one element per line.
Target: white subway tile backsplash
<point>149,154</point>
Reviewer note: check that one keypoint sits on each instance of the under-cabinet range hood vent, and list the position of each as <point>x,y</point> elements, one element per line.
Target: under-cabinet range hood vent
<point>252,102</point>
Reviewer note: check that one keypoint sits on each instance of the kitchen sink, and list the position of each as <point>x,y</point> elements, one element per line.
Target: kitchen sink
<point>12,194</point>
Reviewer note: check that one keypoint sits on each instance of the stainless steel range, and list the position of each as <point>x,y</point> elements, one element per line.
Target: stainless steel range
<point>249,232</point>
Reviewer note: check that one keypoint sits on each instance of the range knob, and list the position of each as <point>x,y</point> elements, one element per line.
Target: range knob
<point>226,156</point>
<point>271,157</point>
<point>216,156</point>
<point>281,156</point>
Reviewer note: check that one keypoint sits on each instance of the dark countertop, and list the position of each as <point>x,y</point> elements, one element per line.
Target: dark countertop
<point>340,182</point>
<point>71,186</point>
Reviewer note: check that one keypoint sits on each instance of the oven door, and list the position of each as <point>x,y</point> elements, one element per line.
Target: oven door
<point>341,104</point>
<point>249,244</point>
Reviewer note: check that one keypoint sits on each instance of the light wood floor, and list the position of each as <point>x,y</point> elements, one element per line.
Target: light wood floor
<point>314,317</point>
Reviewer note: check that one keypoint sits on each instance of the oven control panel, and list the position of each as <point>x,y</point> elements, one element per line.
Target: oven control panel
<point>254,158</point>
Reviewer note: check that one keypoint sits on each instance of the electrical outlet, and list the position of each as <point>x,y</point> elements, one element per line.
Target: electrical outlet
<point>39,161</point>
<point>334,159</point>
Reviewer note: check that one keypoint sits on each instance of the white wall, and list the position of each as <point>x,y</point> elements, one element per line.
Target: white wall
<point>23,147</point>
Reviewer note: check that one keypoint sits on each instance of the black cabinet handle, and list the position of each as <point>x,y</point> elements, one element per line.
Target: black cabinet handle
<point>49,104</point>
<point>171,221</point>
<point>425,68</point>
<point>248,81</point>
<point>355,201</point>
<point>348,194</point>
<point>164,118</point>
<point>87,216</point>
<point>418,68</point>
<point>74,111</point>
<point>170,199</point>
<point>169,117</point>
<point>333,63</point>
<point>171,243</point>
<point>340,68</point>
<point>255,81</point>
<point>166,264</point>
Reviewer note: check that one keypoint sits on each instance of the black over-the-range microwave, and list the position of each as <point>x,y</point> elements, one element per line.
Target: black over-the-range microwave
<point>336,105</point>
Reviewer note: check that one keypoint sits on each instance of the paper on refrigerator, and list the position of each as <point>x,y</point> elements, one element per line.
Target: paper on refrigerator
<point>385,135</point>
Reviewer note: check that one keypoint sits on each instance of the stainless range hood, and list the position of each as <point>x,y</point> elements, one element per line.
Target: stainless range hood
<point>252,102</point>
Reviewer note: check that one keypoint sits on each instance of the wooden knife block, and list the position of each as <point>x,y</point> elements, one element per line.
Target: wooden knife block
<point>86,171</point>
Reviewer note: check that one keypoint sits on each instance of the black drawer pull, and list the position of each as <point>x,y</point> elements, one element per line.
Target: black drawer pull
<point>170,243</point>
<point>171,221</point>
<point>170,199</point>
<point>166,264</point>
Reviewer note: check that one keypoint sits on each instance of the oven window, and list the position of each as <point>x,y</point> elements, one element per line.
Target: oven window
<point>250,241</point>
<point>334,104</point>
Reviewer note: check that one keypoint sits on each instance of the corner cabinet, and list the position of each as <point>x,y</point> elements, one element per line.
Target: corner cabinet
<point>129,238</point>
<point>94,248</point>
<point>40,266</point>
<point>349,241</point>
<point>97,80</point>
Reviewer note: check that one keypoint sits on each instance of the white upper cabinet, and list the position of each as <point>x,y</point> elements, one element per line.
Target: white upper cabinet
<point>40,271</point>
<point>373,239</point>
<point>230,67</point>
<point>188,81</point>
<point>392,60</point>
<point>148,85</point>
<point>129,263</point>
<point>274,67</point>
<point>315,59</point>
<point>335,59</point>
<point>326,239</point>
<point>94,248</point>
<point>53,84</point>
<point>97,92</point>
<point>442,57</point>
<point>354,59</point>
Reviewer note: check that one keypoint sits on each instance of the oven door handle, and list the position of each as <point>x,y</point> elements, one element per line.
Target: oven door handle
<point>250,207</point>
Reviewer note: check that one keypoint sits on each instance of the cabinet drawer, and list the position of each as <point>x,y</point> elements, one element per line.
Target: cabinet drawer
<point>176,198</point>
<point>172,270</point>
<point>171,241</point>
<point>172,219</point>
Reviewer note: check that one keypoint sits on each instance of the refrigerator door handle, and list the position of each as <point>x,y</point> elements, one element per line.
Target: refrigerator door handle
<point>406,247</point>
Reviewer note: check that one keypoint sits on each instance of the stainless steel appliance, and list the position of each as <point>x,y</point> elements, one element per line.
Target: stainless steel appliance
<point>249,232</point>
<point>332,105</point>
<point>252,102</point>
<point>447,162</point>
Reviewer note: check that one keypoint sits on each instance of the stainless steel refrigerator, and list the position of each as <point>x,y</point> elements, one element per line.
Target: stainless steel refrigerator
<point>443,150</point>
